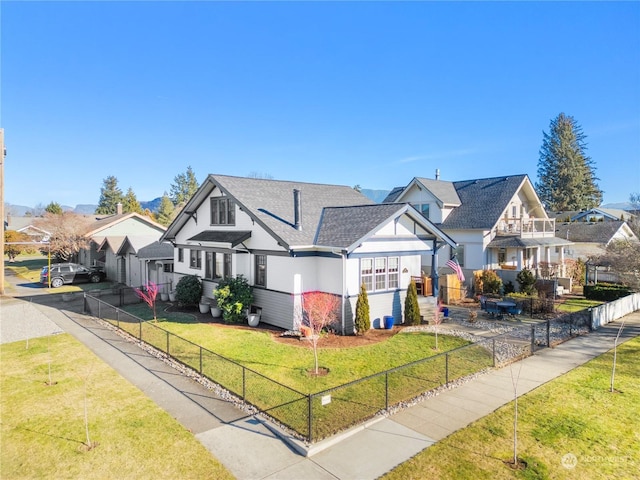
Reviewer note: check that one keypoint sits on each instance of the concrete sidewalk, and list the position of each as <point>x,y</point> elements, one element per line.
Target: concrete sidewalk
<point>248,446</point>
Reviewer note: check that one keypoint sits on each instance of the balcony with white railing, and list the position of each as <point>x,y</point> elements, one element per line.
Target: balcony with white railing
<point>527,227</point>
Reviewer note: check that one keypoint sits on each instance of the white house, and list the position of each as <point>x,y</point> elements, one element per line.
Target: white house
<point>498,223</point>
<point>590,239</point>
<point>287,238</point>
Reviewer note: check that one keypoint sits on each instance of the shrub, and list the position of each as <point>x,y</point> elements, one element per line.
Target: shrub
<point>509,287</point>
<point>233,297</point>
<point>526,280</point>
<point>489,282</point>
<point>605,292</point>
<point>411,306</point>
<point>362,321</point>
<point>189,290</point>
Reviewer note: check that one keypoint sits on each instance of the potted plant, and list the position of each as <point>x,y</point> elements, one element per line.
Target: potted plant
<point>172,295</point>
<point>204,305</point>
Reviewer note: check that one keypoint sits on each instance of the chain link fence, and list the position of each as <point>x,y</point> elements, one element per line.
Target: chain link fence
<point>316,416</point>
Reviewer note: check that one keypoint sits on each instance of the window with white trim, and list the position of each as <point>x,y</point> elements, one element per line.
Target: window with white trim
<point>380,273</point>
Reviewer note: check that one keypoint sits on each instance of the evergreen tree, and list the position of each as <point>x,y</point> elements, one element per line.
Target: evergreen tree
<point>166,210</point>
<point>363,316</point>
<point>411,306</point>
<point>183,187</point>
<point>110,196</point>
<point>566,176</point>
<point>54,208</point>
<point>130,203</point>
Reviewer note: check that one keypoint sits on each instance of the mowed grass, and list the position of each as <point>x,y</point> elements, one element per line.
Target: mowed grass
<point>571,305</point>
<point>574,415</point>
<point>43,427</point>
<point>258,350</point>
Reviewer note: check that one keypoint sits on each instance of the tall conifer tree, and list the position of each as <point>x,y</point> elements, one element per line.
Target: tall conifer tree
<point>110,196</point>
<point>566,175</point>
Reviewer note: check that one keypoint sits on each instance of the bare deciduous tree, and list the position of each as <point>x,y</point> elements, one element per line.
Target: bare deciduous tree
<point>67,234</point>
<point>321,310</point>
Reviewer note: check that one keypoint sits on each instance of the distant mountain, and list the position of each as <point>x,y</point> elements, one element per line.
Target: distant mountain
<point>376,195</point>
<point>619,206</point>
<point>84,209</point>
<point>152,205</point>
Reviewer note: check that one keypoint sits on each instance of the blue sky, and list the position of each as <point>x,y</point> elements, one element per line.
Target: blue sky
<point>351,93</point>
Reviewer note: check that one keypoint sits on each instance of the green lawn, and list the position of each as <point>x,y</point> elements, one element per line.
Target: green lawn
<point>43,427</point>
<point>257,350</point>
<point>571,305</point>
<point>575,414</point>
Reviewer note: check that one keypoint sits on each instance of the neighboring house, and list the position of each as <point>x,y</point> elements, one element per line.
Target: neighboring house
<point>114,241</point>
<point>593,215</point>
<point>123,263</point>
<point>498,223</point>
<point>591,239</point>
<point>159,264</point>
<point>288,238</point>
<point>25,225</point>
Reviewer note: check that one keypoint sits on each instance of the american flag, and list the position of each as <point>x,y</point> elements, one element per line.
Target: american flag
<point>455,266</point>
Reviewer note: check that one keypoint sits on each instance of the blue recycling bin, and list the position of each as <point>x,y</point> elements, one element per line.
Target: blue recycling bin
<point>389,322</point>
<point>445,311</point>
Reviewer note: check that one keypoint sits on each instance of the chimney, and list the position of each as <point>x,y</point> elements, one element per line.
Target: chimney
<point>118,208</point>
<point>297,210</point>
<point>437,174</point>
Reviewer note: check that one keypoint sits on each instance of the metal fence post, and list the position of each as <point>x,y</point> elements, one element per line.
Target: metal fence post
<point>200,359</point>
<point>309,417</point>
<point>549,333</point>
<point>118,317</point>
<point>386,390</point>
<point>140,330</point>
<point>446,368</point>
<point>533,338</point>
<point>244,383</point>
<point>167,342</point>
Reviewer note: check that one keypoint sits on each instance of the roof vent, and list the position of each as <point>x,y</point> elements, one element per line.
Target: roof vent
<point>437,174</point>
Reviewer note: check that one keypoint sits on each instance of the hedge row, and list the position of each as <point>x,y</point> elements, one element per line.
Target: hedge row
<point>605,292</point>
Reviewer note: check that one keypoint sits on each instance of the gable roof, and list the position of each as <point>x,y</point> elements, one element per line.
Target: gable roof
<point>101,224</point>
<point>482,201</point>
<point>597,232</point>
<point>345,227</point>
<point>156,251</point>
<point>585,215</point>
<point>445,192</point>
<point>270,203</point>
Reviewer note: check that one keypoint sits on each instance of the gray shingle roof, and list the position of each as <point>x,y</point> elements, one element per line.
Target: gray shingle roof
<point>156,251</point>
<point>343,226</point>
<point>271,204</point>
<point>232,237</point>
<point>483,201</point>
<point>598,232</point>
<point>443,191</point>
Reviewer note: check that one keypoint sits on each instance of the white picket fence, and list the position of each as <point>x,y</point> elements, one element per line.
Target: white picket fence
<point>611,311</point>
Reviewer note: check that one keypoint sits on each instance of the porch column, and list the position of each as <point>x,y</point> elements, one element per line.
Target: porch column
<point>434,268</point>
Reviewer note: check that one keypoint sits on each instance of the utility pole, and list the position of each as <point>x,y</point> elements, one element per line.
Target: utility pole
<point>2,155</point>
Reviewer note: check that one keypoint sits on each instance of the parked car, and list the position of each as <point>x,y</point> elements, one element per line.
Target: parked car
<point>62,273</point>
